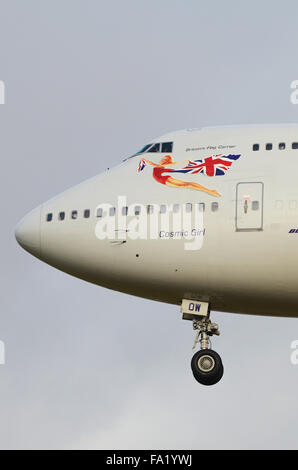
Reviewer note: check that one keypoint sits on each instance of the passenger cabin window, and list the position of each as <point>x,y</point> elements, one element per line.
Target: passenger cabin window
<point>188,207</point>
<point>176,208</point>
<point>269,146</point>
<point>201,206</point>
<point>163,209</point>
<point>295,145</point>
<point>255,205</point>
<point>87,213</point>
<point>99,212</point>
<point>49,217</point>
<point>112,211</point>
<point>214,206</point>
<point>137,210</point>
<point>282,146</point>
<point>61,216</point>
<point>256,147</point>
<point>150,209</point>
<point>124,210</point>
<point>74,215</point>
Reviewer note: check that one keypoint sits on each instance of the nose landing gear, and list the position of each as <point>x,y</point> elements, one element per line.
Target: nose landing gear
<point>206,364</point>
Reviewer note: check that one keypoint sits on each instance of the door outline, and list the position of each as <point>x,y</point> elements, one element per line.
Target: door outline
<point>255,229</point>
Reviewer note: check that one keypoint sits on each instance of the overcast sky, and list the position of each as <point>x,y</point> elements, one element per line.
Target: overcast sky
<point>88,82</point>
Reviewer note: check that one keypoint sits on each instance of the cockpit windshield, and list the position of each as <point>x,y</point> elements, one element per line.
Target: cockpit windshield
<point>156,147</point>
<point>144,149</point>
<point>163,147</point>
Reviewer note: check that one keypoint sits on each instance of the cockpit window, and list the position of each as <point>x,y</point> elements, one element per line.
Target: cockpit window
<point>154,149</point>
<point>144,149</point>
<point>164,147</point>
<point>167,147</point>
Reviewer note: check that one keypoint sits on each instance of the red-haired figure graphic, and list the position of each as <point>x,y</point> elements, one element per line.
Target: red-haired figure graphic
<point>162,167</point>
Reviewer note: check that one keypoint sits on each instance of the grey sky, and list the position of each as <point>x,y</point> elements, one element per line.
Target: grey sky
<point>87,83</point>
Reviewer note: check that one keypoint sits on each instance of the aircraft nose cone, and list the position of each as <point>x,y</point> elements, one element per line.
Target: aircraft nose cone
<point>28,232</point>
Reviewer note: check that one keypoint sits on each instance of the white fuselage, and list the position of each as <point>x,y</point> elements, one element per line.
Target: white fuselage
<point>248,258</point>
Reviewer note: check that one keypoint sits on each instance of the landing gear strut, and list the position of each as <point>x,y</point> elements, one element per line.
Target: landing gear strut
<point>206,364</point>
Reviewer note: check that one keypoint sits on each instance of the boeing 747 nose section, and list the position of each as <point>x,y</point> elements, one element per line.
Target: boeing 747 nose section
<point>203,218</point>
<point>28,232</point>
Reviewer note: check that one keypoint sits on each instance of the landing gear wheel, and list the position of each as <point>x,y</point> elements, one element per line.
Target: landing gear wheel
<point>207,367</point>
<point>206,364</point>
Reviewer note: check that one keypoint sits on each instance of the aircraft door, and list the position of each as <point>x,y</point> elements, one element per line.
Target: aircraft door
<point>249,206</point>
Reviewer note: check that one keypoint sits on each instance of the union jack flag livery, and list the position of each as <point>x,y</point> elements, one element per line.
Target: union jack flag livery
<point>142,165</point>
<point>215,165</point>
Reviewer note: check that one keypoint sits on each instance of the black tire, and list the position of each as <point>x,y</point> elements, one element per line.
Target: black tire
<point>207,367</point>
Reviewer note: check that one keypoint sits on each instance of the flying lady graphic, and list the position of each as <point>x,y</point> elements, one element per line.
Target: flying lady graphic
<point>215,165</point>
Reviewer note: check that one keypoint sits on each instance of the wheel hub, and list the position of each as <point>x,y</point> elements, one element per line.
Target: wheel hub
<point>206,363</point>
